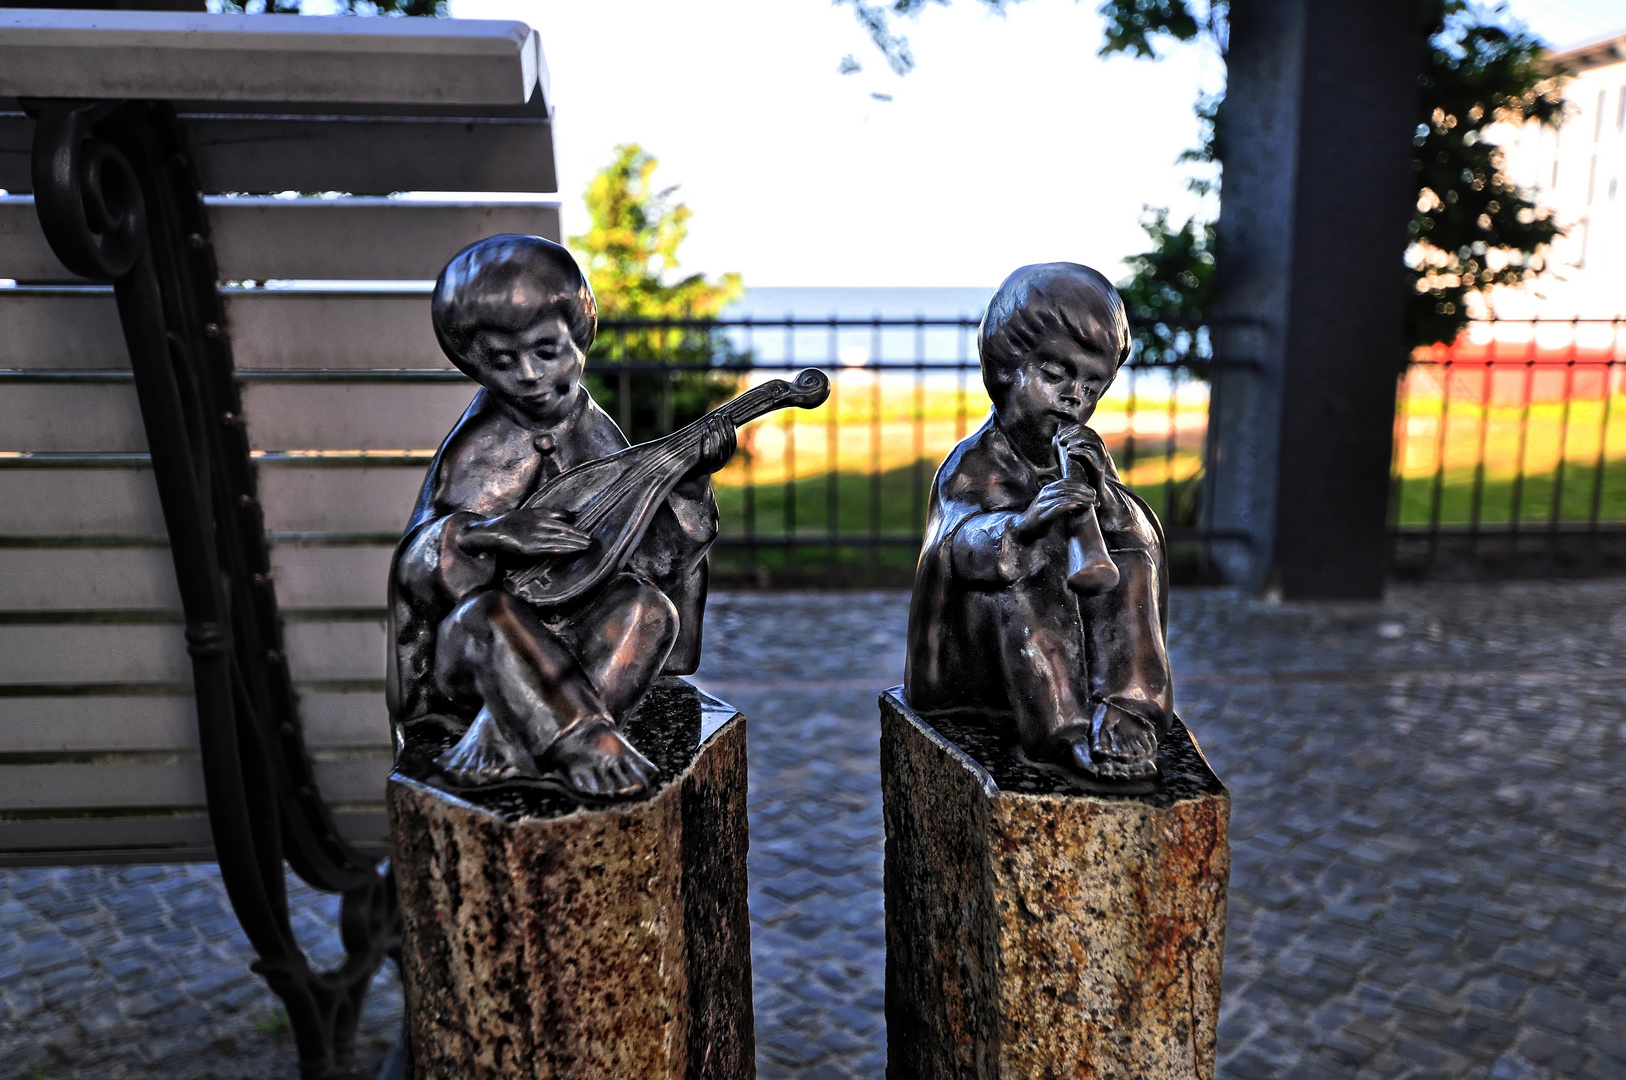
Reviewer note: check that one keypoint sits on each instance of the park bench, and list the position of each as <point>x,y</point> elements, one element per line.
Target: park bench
<point>204,465</point>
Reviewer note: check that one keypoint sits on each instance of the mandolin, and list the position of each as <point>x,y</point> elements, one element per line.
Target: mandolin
<point>613,499</point>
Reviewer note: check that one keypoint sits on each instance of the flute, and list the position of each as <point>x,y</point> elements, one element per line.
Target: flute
<point>1090,569</point>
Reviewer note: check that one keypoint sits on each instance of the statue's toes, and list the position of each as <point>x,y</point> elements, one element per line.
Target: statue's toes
<point>586,781</point>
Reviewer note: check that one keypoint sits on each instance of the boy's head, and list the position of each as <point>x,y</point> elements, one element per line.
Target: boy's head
<point>1050,343</point>
<point>516,314</point>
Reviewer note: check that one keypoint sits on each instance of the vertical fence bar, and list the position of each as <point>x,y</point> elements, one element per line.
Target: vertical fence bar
<point>1557,510</point>
<point>963,361</point>
<point>1437,494</point>
<point>1516,509</point>
<point>1171,445</point>
<point>749,494</point>
<point>917,494</point>
<point>667,378</point>
<point>624,388</point>
<point>875,451</point>
<point>1610,373</point>
<point>1487,397</point>
<point>832,455</point>
<point>789,420</point>
<point>1397,469</point>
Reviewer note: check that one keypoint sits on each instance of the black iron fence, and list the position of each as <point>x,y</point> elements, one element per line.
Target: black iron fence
<point>838,495</point>
<point>1508,443</point>
<point>1509,448</point>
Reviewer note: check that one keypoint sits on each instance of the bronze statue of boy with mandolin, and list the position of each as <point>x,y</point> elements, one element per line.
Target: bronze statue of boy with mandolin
<point>549,573</point>
<point>1042,586</point>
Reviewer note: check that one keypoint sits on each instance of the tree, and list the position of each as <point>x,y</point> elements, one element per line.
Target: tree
<point>1474,228</point>
<point>628,251</point>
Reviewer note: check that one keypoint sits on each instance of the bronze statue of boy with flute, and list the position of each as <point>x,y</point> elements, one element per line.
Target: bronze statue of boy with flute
<point>549,573</point>
<point>1042,588</point>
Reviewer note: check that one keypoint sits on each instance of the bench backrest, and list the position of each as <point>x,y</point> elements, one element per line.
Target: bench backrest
<point>345,396</point>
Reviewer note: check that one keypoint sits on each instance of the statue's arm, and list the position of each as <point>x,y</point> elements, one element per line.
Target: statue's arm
<point>434,564</point>
<point>988,548</point>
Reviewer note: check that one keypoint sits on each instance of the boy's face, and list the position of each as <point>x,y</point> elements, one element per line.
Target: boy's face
<point>1057,385</point>
<point>535,370</point>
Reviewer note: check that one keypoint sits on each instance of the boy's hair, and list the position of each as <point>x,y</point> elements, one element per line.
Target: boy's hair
<point>507,282</point>
<point>1039,300</point>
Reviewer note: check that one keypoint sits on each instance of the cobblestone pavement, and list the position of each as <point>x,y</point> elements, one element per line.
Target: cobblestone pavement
<point>1428,873</point>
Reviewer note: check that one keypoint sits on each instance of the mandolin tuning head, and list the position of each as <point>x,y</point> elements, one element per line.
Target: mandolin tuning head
<point>809,389</point>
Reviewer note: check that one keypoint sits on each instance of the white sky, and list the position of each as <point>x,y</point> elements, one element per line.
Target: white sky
<point>1009,143</point>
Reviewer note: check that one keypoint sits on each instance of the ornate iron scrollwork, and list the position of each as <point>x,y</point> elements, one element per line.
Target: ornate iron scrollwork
<point>118,196</point>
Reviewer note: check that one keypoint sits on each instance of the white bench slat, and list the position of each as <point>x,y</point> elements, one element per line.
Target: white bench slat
<point>32,654</point>
<point>257,239</point>
<point>143,578</point>
<point>61,330</point>
<point>224,57</point>
<point>274,328</point>
<point>80,579</point>
<point>281,416</point>
<point>44,725</point>
<point>121,501</point>
<point>115,783</point>
<point>364,156</point>
<point>53,502</point>
<point>168,838</point>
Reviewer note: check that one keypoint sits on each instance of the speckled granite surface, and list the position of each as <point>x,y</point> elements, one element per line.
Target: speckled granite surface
<point>1036,928</point>
<point>543,940</point>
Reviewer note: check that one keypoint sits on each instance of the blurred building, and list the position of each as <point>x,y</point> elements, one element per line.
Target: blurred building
<point>1579,170</point>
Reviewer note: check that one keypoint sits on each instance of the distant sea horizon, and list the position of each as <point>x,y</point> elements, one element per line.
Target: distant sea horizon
<point>860,302</point>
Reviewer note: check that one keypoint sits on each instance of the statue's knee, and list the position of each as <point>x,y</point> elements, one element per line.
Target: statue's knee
<point>648,609</point>
<point>657,615</point>
<point>477,614</point>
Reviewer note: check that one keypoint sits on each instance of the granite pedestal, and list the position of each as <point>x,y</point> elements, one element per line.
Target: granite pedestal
<point>544,940</point>
<point>1039,925</point>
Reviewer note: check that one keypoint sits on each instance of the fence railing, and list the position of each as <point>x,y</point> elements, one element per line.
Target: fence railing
<point>1509,448</point>
<point>838,495</point>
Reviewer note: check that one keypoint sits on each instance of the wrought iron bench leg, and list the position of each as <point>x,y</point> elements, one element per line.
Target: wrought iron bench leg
<point>118,197</point>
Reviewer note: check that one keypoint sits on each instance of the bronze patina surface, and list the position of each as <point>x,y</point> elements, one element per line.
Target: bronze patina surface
<point>1042,588</point>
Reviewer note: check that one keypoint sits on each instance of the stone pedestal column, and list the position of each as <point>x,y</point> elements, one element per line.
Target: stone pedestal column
<point>543,940</point>
<point>1039,926</point>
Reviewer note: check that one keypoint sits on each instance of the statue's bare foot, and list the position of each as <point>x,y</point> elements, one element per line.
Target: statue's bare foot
<point>596,761</point>
<point>1120,746</point>
<point>485,755</point>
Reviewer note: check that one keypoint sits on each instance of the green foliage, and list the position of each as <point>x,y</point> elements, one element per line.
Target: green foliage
<point>876,19</point>
<point>1473,228</point>
<point>1171,286</point>
<point>1132,25</point>
<point>628,251</point>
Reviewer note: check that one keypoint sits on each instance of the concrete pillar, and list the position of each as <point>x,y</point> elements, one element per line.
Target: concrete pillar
<point>1316,139</point>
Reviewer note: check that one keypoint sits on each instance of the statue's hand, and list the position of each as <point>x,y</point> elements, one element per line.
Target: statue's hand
<point>1057,499</point>
<point>1083,444</point>
<point>717,444</point>
<point>527,531</point>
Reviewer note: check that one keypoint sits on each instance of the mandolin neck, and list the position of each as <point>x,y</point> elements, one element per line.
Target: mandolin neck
<point>757,401</point>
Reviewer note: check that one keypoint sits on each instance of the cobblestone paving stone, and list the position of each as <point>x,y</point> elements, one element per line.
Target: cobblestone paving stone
<point>1428,874</point>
